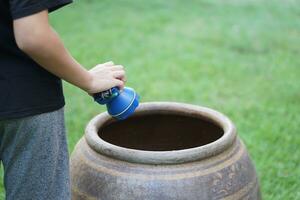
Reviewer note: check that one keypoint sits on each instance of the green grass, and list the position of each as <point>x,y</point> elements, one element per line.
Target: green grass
<point>238,57</point>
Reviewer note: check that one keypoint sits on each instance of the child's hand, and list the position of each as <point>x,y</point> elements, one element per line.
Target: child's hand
<point>105,76</point>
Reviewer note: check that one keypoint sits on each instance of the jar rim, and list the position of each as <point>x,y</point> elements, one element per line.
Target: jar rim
<point>163,157</point>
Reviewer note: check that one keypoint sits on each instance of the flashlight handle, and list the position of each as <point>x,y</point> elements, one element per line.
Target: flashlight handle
<point>106,96</point>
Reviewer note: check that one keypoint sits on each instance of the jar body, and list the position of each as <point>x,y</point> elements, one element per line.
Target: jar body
<point>229,175</point>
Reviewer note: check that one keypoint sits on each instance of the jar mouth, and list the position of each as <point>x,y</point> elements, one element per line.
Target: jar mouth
<point>162,133</point>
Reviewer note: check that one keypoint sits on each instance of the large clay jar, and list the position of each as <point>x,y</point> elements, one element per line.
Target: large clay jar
<point>165,151</point>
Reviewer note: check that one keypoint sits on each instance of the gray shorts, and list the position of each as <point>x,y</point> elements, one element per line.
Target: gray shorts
<point>35,157</point>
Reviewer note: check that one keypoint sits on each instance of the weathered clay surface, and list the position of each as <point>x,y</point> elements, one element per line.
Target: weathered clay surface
<point>166,151</point>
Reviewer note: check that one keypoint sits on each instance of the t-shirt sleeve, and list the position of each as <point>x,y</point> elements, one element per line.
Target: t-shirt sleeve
<point>23,8</point>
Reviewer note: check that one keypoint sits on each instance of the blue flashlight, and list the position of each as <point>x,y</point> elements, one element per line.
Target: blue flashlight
<point>120,104</point>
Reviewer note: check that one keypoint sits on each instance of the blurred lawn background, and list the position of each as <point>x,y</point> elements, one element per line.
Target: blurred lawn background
<point>239,57</point>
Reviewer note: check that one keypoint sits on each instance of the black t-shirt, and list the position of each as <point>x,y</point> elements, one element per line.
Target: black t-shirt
<point>25,87</point>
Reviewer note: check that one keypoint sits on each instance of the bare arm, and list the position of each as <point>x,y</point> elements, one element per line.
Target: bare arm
<point>36,38</point>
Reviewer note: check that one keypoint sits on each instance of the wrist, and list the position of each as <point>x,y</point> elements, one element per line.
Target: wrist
<point>87,81</point>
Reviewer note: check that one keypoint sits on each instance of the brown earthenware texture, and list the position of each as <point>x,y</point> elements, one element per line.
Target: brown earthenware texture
<point>229,175</point>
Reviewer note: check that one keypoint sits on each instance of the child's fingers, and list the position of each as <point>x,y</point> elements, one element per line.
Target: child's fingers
<point>124,79</point>
<point>119,84</point>
<point>119,74</point>
<point>100,66</point>
<point>110,63</point>
<point>117,67</point>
